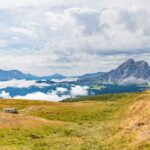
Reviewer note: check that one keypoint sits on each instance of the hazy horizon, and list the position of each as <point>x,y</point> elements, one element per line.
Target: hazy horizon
<point>75,74</point>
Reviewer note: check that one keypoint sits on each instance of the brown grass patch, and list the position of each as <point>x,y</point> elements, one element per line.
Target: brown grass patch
<point>136,121</point>
<point>10,121</point>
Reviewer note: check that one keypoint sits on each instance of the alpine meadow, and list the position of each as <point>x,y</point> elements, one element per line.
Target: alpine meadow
<point>74,75</point>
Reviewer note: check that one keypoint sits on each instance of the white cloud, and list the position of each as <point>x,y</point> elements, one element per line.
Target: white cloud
<point>88,19</point>
<point>66,36</point>
<point>62,90</point>
<point>21,84</point>
<point>133,80</point>
<point>36,96</point>
<point>67,79</point>
<point>51,96</point>
<point>79,91</point>
<point>4,94</point>
<point>42,96</point>
<point>86,3</point>
<point>22,33</point>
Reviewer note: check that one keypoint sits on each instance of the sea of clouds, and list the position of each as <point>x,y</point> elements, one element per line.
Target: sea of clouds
<point>54,95</point>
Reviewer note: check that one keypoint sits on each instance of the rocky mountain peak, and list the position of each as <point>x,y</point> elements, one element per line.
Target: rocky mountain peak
<point>130,68</point>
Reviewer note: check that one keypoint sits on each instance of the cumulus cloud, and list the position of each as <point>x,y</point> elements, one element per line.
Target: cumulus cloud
<point>67,79</point>
<point>60,89</point>
<point>50,96</point>
<point>42,96</point>
<point>4,94</point>
<point>79,91</point>
<point>21,84</point>
<point>89,19</point>
<point>66,36</point>
<point>53,96</point>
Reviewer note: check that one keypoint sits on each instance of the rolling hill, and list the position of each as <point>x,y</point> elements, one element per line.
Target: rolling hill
<point>105,122</point>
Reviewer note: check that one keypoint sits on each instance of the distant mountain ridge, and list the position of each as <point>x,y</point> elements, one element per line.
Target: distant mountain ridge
<point>6,75</point>
<point>91,75</point>
<point>14,74</point>
<point>138,69</point>
<point>53,76</point>
<point>130,71</point>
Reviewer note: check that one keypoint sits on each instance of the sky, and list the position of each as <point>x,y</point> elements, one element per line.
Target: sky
<point>72,37</point>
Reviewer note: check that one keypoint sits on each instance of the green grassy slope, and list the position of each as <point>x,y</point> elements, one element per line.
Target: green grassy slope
<point>103,122</point>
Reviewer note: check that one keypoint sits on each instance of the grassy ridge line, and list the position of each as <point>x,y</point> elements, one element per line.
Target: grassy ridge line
<point>103,97</point>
